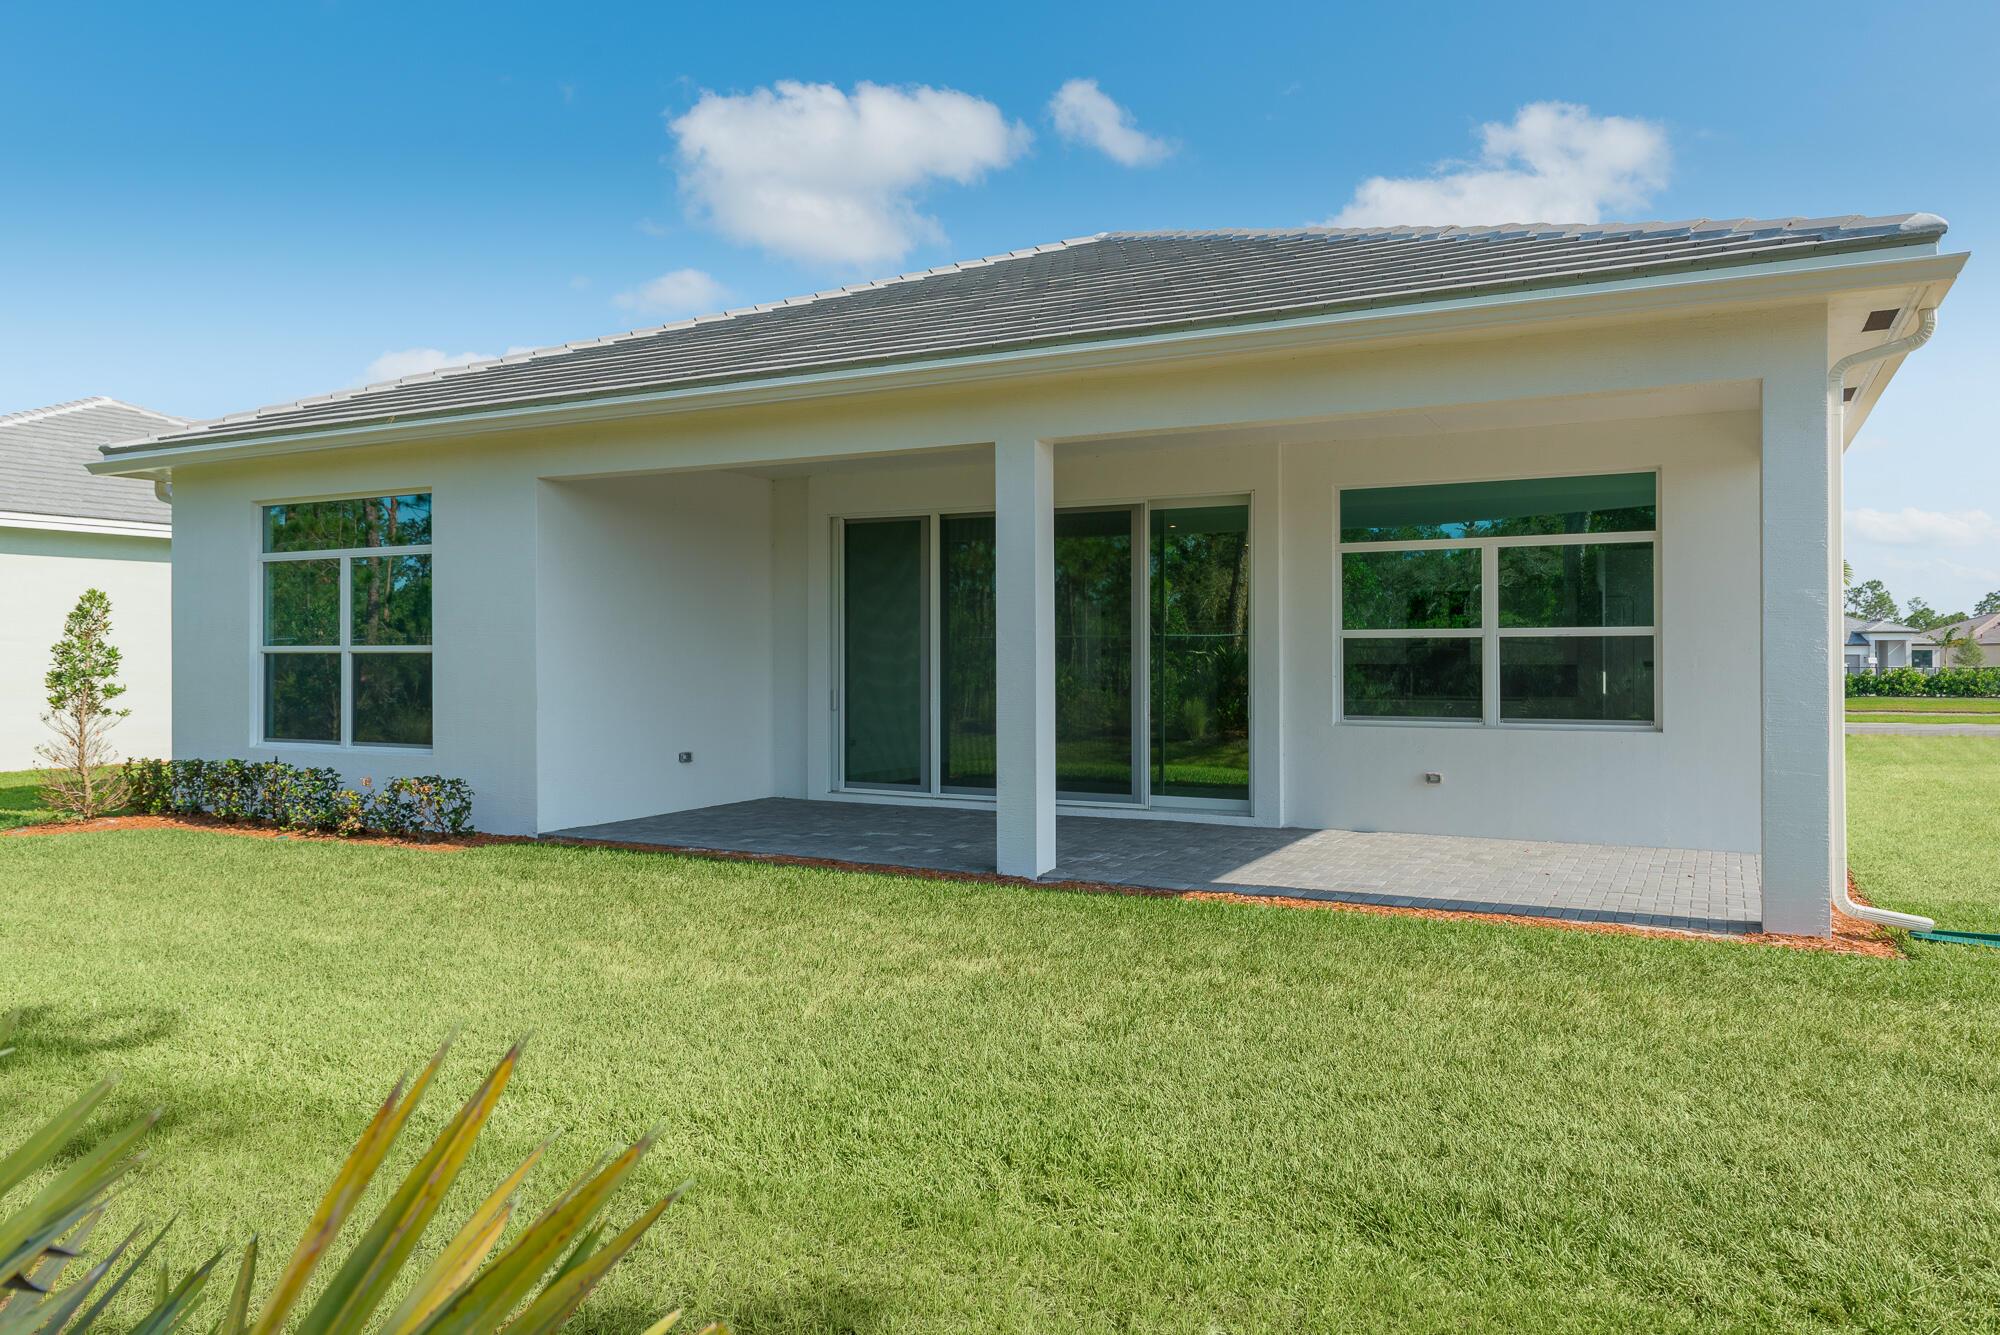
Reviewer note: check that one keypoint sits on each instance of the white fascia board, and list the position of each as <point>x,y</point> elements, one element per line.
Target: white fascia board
<point>1774,283</point>
<point>124,528</point>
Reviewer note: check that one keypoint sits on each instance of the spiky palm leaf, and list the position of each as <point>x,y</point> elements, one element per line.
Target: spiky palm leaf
<point>467,1290</point>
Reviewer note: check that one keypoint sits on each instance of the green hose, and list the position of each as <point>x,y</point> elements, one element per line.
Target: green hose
<point>1961,938</point>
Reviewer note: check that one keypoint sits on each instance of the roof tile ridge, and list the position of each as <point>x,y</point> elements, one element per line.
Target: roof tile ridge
<point>56,409</point>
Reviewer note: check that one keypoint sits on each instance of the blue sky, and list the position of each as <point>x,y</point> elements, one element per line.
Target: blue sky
<point>205,208</point>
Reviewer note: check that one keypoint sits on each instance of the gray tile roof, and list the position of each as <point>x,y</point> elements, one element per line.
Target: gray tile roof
<point>43,452</point>
<point>1117,283</point>
<point>1985,629</point>
<point>1860,628</point>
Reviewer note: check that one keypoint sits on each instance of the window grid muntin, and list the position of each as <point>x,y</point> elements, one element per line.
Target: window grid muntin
<point>1490,631</point>
<point>345,647</point>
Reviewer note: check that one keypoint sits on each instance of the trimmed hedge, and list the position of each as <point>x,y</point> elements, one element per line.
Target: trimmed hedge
<point>1956,682</point>
<point>299,798</point>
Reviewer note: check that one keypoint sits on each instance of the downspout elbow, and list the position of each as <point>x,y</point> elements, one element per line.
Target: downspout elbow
<point>163,490</point>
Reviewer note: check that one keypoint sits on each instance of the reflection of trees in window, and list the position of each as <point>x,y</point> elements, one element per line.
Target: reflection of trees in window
<point>339,574</point>
<point>1200,566</point>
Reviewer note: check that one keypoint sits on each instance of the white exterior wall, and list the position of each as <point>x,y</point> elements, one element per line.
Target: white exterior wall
<point>42,573</point>
<point>655,638</point>
<point>523,634</point>
<point>483,621</point>
<point>1693,782</point>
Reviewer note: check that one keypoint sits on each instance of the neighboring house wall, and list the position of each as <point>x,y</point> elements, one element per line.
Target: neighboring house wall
<point>43,572</point>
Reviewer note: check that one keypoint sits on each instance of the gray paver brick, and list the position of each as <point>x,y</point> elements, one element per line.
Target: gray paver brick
<point>1692,889</point>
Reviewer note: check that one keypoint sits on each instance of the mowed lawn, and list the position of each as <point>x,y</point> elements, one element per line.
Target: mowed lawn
<point>911,1105</point>
<point>1922,704</point>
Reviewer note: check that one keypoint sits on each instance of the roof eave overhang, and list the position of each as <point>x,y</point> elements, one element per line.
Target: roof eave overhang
<point>1774,283</point>
<point>120,528</point>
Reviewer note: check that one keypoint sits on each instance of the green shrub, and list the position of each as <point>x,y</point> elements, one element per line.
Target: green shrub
<point>299,798</point>
<point>1954,682</point>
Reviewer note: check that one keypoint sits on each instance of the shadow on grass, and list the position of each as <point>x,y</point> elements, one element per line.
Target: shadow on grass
<point>66,1035</point>
<point>20,800</point>
<point>826,1304</point>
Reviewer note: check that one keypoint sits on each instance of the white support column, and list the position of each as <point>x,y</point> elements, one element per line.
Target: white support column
<point>1804,770</point>
<point>1025,652</point>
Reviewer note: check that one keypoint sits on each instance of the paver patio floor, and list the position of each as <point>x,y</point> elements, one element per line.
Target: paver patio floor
<point>1689,889</point>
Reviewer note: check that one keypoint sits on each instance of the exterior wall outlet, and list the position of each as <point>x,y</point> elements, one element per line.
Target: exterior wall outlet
<point>1433,778</point>
<point>687,757</point>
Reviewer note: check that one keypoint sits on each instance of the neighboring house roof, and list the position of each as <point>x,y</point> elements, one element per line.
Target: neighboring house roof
<point>1861,630</point>
<point>1111,285</point>
<point>1982,629</point>
<point>43,452</point>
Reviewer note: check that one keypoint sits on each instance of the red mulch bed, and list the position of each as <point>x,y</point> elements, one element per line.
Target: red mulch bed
<point>1851,936</point>
<point>259,830</point>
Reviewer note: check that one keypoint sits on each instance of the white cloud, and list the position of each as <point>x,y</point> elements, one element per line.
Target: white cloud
<point>682,292</point>
<point>1911,527</point>
<point>1085,115</point>
<point>418,361</point>
<point>1556,162</point>
<point>817,174</point>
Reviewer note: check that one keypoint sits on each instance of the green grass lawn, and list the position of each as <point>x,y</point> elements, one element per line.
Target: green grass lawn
<point>912,1105</point>
<point>1920,704</point>
<point>1931,717</point>
<point>20,799</point>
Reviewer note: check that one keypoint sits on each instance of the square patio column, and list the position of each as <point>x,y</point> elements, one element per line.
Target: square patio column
<point>1024,520</point>
<point>1804,753</point>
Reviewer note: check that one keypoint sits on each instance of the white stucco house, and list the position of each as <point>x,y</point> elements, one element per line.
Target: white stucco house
<point>63,531</point>
<point>1442,530</point>
<point>1881,645</point>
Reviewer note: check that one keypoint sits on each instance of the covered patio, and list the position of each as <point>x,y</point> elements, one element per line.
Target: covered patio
<point>1685,889</point>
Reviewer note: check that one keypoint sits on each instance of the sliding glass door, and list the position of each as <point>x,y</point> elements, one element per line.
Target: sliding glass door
<point>885,632</point>
<point>1199,566</point>
<point>1094,734</point>
<point>965,653</point>
<point>1152,648</point>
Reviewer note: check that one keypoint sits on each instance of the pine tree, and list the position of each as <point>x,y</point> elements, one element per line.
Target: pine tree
<point>82,682</point>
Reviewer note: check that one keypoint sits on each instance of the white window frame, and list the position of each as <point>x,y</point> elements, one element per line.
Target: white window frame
<point>345,648</point>
<point>1489,631</point>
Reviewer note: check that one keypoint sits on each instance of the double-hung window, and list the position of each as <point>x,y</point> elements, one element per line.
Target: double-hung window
<point>346,643</point>
<point>1529,601</point>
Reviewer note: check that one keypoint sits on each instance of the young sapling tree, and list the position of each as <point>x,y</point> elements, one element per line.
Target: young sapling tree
<point>80,782</point>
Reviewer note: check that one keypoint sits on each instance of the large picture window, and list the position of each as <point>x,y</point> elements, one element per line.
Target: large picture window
<point>1529,601</point>
<point>346,640</point>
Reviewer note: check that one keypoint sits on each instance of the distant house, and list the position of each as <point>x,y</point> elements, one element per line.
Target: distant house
<point>1983,631</point>
<point>1881,645</point>
<point>63,531</point>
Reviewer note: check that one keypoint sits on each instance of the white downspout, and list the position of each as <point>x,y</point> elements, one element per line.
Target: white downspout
<point>163,490</point>
<point>1836,441</point>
